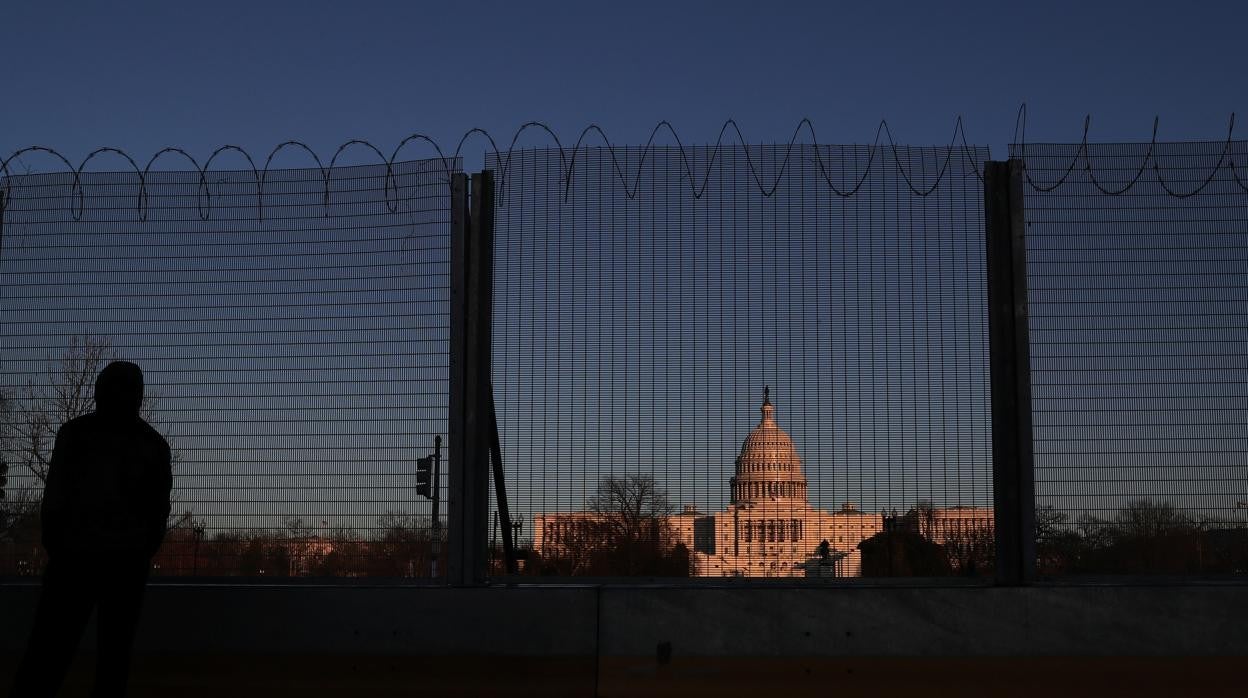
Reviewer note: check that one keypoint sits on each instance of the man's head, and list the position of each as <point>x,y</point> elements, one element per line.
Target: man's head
<point>119,390</point>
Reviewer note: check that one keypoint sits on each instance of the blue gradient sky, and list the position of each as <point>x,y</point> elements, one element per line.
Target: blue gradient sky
<point>151,74</point>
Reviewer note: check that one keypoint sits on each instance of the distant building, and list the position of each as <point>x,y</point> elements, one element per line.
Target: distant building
<point>304,554</point>
<point>948,524</point>
<point>769,528</point>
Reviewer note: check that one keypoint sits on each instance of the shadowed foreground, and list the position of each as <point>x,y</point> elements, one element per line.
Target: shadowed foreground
<point>277,676</point>
<point>621,641</point>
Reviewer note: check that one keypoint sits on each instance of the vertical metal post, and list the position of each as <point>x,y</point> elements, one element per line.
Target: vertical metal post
<point>478,416</point>
<point>457,433</point>
<point>3,203</point>
<point>1012,472</point>
<point>469,503</point>
<point>483,223</point>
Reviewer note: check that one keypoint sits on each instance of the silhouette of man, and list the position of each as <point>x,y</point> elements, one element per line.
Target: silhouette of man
<point>105,506</point>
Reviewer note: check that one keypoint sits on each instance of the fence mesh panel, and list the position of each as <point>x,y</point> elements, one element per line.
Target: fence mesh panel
<point>645,300</point>
<point>1138,276</point>
<point>294,346</point>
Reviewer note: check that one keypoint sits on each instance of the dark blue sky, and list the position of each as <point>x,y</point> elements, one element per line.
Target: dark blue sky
<point>151,75</point>
<point>197,75</point>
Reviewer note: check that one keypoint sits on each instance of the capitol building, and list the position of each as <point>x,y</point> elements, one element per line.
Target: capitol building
<point>769,528</point>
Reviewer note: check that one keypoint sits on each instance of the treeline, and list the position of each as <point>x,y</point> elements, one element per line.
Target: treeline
<point>1144,537</point>
<point>604,547</point>
<point>625,534</point>
<point>398,545</point>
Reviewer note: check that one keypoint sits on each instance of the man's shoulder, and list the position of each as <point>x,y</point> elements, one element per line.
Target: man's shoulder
<point>78,424</point>
<point>150,432</point>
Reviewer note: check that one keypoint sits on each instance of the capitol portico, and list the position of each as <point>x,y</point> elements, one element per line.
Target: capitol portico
<point>769,528</point>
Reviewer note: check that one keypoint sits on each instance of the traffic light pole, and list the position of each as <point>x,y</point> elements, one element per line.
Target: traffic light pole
<point>437,523</point>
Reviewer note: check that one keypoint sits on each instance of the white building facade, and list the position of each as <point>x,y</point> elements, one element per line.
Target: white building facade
<point>769,528</point>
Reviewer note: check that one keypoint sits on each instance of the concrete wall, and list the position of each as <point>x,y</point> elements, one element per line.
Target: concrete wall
<point>214,640</point>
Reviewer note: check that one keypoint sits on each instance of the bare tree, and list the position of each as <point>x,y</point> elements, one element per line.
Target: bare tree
<point>925,518</point>
<point>28,426</point>
<point>625,532</point>
<point>401,546</point>
<point>64,395</point>
<point>636,536</point>
<point>970,549</point>
<point>1050,522</point>
<point>1148,519</point>
<point>67,392</point>
<point>631,506</point>
<point>6,416</point>
<point>1058,544</point>
<point>19,507</point>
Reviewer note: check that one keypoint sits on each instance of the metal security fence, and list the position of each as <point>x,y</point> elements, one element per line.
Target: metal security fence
<point>793,361</point>
<point>292,326</point>
<point>762,361</point>
<point>1138,280</point>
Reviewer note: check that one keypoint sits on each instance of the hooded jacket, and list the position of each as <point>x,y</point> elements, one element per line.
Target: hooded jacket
<point>110,477</point>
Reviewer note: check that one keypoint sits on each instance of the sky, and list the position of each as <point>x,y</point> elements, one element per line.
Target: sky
<point>151,75</point>
<point>145,75</point>
<point>637,335</point>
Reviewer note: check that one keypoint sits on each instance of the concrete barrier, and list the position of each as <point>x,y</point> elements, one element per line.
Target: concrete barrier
<point>608,640</point>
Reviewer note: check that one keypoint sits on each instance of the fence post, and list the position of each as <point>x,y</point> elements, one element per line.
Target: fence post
<point>480,336</point>
<point>458,441</point>
<point>1012,472</point>
<point>471,272</point>
<point>483,222</point>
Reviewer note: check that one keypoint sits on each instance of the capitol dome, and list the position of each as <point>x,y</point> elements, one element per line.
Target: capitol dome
<point>768,468</point>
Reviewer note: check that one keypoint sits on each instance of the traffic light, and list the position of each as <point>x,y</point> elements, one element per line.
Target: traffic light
<point>424,476</point>
<point>4,479</point>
